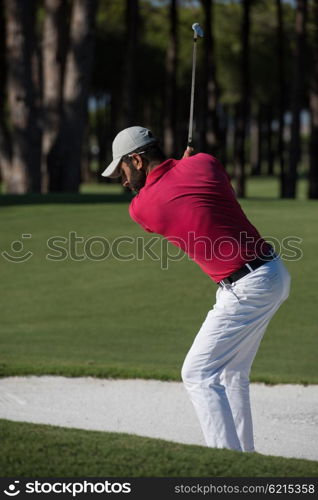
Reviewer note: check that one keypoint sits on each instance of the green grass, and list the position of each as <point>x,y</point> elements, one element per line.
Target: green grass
<point>269,187</point>
<point>256,187</point>
<point>45,451</point>
<point>131,318</point>
<point>103,187</point>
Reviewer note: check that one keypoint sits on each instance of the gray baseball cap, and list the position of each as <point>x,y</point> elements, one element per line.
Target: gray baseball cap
<point>127,141</point>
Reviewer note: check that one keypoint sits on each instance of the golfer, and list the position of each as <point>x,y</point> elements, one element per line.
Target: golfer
<point>191,203</point>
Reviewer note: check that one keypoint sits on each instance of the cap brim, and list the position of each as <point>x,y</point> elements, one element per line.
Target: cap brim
<point>112,170</point>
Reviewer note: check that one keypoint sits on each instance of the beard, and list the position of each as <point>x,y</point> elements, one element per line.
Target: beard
<point>137,179</point>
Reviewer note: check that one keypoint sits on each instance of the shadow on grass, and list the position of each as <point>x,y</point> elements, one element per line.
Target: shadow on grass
<point>265,198</point>
<point>39,199</point>
<point>82,198</point>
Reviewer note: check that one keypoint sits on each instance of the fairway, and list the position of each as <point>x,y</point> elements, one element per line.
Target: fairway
<point>129,317</point>
<point>36,450</point>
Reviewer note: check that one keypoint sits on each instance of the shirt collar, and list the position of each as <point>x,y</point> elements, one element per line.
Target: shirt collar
<point>160,170</point>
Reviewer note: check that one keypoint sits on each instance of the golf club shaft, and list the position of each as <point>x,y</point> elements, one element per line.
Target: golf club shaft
<point>194,58</point>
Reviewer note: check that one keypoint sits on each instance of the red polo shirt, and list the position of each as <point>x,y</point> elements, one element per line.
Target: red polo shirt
<point>191,203</point>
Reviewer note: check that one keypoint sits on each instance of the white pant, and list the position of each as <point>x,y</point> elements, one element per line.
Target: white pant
<point>217,366</point>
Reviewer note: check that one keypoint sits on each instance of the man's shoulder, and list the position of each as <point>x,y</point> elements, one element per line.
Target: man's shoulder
<point>200,157</point>
<point>206,157</point>
<point>138,214</point>
<point>134,208</point>
<point>204,161</point>
<point>137,205</point>
<point>133,205</point>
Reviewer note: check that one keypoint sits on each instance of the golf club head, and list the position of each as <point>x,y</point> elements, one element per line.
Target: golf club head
<point>198,31</point>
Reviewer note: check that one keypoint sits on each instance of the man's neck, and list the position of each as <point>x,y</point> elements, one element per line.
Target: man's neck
<point>153,164</point>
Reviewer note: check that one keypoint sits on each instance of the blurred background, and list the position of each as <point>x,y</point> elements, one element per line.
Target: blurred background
<point>75,72</point>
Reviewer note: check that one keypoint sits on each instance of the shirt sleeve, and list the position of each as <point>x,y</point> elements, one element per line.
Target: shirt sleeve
<point>136,218</point>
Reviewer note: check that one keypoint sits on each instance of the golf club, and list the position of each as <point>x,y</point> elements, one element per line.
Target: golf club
<point>198,32</point>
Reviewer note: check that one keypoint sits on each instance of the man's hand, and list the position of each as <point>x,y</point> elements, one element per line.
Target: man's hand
<point>188,152</point>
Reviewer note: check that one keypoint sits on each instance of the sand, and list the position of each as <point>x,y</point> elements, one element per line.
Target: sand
<point>285,416</point>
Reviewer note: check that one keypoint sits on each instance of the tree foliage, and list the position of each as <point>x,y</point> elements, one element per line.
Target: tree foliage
<point>130,82</point>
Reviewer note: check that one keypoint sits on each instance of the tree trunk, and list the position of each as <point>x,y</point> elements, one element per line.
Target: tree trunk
<point>54,55</point>
<point>243,108</point>
<point>5,140</point>
<point>257,142</point>
<point>210,135</point>
<point>224,129</point>
<point>26,139</point>
<point>269,140</point>
<point>297,98</point>
<point>67,151</point>
<point>86,172</point>
<point>170,119</point>
<point>101,135</point>
<point>282,93</point>
<point>130,73</point>
<point>313,169</point>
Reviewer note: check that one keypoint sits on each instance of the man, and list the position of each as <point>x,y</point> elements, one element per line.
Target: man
<point>192,204</point>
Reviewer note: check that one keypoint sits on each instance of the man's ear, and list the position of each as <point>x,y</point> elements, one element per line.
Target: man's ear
<point>137,161</point>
